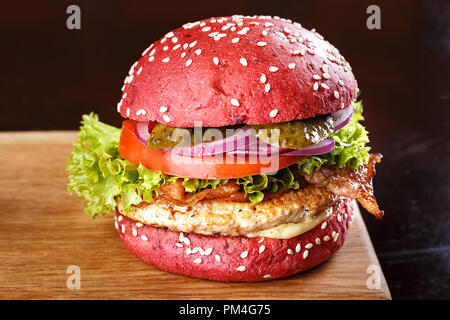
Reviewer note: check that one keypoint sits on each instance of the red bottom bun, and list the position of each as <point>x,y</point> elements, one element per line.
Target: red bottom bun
<point>226,258</point>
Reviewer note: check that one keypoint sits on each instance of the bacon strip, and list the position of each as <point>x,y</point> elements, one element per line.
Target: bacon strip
<point>344,182</point>
<point>355,184</point>
<point>176,193</point>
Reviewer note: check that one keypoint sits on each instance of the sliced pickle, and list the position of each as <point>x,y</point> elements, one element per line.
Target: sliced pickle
<point>164,137</point>
<point>296,134</point>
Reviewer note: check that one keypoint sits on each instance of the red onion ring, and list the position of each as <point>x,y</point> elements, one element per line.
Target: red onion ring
<point>142,131</point>
<point>342,117</point>
<point>263,149</point>
<point>241,138</point>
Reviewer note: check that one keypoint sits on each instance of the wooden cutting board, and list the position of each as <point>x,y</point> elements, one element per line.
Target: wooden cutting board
<point>44,230</point>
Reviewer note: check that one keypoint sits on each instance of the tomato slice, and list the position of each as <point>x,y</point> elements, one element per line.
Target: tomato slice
<point>220,166</point>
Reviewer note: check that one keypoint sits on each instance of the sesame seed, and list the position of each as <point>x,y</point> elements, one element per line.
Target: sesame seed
<point>291,65</point>
<point>323,85</point>
<point>202,24</point>
<point>273,113</point>
<point>339,217</point>
<point>243,61</point>
<point>305,254</point>
<point>325,68</point>
<point>349,224</point>
<point>139,71</point>
<point>324,225</point>
<point>326,75</point>
<point>318,242</point>
<point>235,102</point>
<point>187,241</point>
<point>169,35</point>
<point>273,69</point>
<point>179,245</point>
<point>166,118</point>
<point>152,52</point>
<point>260,240</point>
<point>309,246</point>
<point>192,44</point>
<point>342,105</point>
<point>174,39</point>
<point>217,257</point>
<point>198,51</point>
<point>311,51</point>
<point>206,29</point>
<point>163,109</point>
<point>336,95</point>
<point>262,248</point>
<point>216,61</point>
<point>243,31</point>
<point>333,234</point>
<point>263,78</point>
<point>143,237</point>
<point>128,112</point>
<point>185,46</point>
<point>145,51</point>
<point>151,58</point>
<point>138,224</point>
<point>244,254</point>
<point>316,86</point>
<point>166,59</point>
<point>268,25</point>
<point>341,82</point>
<point>289,251</point>
<point>267,88</point>
<point>141,112</point>
<point>326,238</point>
<point>198,260</point>
<point>119,105</point>
<point>165,48</point>
<point>116,225</point>
<point>183,54</point>
<point>264,32</point>
<point>345,216</point>
<point>235,40</point>
<point>241,268</point>
<point>163,40</point>
<point>176,47</point>
<point>208,251</point>
<point>317,77</point>
<point>188,251</point>
<point>262,43</point>
<point>336,237</point>
<point>298,247</point>
<point>188,62</point>
<point>266,276</point>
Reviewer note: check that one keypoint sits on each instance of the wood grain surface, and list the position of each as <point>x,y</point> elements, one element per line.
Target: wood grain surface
<point>44,230</point>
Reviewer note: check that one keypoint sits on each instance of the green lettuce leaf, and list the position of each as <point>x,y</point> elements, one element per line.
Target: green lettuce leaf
<point>99,174</point>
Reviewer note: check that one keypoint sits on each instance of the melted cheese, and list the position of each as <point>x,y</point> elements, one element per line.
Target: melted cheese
<point>290,230</point>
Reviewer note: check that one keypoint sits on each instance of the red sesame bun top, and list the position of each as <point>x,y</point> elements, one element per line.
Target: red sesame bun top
<point>229,70</point>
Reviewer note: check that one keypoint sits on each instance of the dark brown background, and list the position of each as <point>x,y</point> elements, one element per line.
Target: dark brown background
<point>52,75</point>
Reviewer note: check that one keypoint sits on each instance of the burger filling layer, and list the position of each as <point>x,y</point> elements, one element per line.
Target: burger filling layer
<point>249,205</point>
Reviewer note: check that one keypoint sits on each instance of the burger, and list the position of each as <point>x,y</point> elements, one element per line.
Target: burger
<point>241,154</point>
